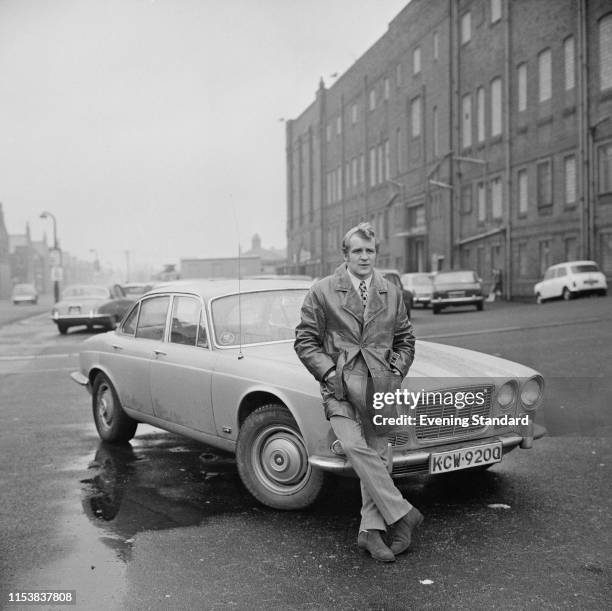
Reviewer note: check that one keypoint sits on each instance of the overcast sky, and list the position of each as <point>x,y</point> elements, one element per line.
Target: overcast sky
<point>154,126</point>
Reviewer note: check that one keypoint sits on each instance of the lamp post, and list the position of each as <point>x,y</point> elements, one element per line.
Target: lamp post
<point>56,268</point>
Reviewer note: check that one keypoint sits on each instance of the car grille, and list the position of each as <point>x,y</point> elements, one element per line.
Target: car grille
<point>430,432</point>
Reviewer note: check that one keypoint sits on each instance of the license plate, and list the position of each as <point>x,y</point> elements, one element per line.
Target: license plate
<point>454,460</point>
<point>590,281</point>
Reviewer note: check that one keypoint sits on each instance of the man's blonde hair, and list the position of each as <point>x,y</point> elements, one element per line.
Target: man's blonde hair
<point>363,230</point>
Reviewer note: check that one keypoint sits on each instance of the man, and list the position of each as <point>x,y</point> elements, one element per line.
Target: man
<point>355,338</point>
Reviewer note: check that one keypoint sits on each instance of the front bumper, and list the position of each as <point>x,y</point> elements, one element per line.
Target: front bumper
<point>468,299</point>
<point>81,380</point>
<point>408,462</point>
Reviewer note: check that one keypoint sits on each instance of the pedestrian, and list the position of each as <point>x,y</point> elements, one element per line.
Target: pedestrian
<point>355,338</point>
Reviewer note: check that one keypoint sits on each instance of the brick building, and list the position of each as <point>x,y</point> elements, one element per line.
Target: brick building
<point>473,133</point>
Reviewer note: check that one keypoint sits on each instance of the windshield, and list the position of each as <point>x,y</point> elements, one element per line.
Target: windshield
<point>584,267</point>
<point>21,289</point>
<point>265,316</point>
<point>417,280</point>
<point>451,277</point>
<point>97,292</point>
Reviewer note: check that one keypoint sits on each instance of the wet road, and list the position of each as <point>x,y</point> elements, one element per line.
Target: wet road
<point>164,523</point>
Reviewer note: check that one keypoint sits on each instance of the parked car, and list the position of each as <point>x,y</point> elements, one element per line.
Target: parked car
<point>24,293</point>
<point>570,279</point>
<point>393,276</point>
<point>90,305</point>
<point>456,288</point>
<point>133,290</point>
<point>421,287</point>
<point>202,360</point>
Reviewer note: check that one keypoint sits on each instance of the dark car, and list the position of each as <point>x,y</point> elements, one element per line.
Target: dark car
<point>90,305</point>
<point>393,276</point>
<point>456,288</point>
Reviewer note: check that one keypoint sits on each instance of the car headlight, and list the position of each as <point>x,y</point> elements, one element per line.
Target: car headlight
<point>531,392</point>
<point>506,394</point>
<point>54,313</point>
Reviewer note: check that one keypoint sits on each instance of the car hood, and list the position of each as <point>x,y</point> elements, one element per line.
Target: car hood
<point>456,286</point>
<point>432,360</point>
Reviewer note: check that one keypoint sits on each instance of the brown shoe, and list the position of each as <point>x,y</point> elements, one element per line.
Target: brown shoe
<point>401,535</point>
<point>371,541</point>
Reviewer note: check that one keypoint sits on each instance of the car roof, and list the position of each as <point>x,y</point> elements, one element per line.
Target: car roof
<point>210,288</point>
<point>581,262</point>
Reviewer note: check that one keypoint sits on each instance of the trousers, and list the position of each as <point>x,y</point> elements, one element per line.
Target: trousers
<point>381,502</point>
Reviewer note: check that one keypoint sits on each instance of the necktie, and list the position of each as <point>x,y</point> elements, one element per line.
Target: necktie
<point>363,292</point>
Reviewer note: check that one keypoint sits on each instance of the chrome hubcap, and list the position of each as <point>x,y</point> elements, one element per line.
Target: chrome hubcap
<point>105,406</point>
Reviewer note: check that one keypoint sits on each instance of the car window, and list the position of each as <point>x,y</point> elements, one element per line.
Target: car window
<point>152,319</point>
<point>550,273</point>
<point>185,320</point>
<point>264,316</point>
<point>129,324</point>
<point>585,267</point>
<point>561,271</point>
<point>98,292</point>
<point>202,332</point>
<point>450,277</point>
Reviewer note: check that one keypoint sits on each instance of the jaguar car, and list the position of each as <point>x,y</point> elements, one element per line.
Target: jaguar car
<point>90,305</point>
<point>456,288</point>
<point>213,360</point>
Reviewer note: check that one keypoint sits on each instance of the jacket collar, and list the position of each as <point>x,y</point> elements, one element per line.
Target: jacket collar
<point>352,301</point>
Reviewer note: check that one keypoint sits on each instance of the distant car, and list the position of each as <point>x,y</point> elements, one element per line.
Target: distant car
<point>456,288</point>
<point>136,289</point>
<point>202,360</point>
<point>90,305</point>
<point>24,293</point>
<point>421,287</point>
<point>570,279</point>
<point>393,276</point>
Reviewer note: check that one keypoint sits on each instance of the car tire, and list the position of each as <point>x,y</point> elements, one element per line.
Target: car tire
<point>603,292</point>
<point>566,294</point>
<point>480,306</point>
<point>63,329</point>
<point>436,309</point>
<point>112,423</point>
<point>273,461</point>
<point>539,299</point>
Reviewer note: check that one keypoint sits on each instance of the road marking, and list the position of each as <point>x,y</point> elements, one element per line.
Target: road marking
<point>26,357</point>
<point>508,329</point>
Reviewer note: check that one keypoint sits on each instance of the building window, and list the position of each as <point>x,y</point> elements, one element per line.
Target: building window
<point>605,52</point>
<point>466,121</point>
<point>398,75</point>
<point>436,46</point>
<point>569,55</point>
<point>522,87</point>
<point>496,198</point>
<point>570,180</point>
<point>605,169</point>
<point>482,202</point>
<point>372,166</point>
<point>523,202</point>
<point>435,132</point>
<point>544,184</point>
<point>398,150</point>
<point>466,28</point>
<point>381,163</point>
<point>362,168</point>
<point>415,117</point>
<point>347,177</point>
<point>354,172</point>
<point>386,88</point>
<point>480,110</point>
<point>544,75</point>
<point>544,248</point>
<point>338,125</point>
<point>328,132</point>
<point>466,199</point>
<point>416,60</point>
<point>387,163</point>
<point>571,249</point>
<point>605,251</point>
<point>372,99</point>
<point>496,10</point>
<point>354,114</point>
<point>523,260</point>
<point>496,107</point>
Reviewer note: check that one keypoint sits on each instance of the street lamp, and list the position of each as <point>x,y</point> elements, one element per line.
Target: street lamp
<point>56,269</point>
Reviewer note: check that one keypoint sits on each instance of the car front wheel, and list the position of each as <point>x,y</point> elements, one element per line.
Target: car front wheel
<point>539,299</point>
<point>273,461</point>
<point>567,295</point>
<point>113,424</point>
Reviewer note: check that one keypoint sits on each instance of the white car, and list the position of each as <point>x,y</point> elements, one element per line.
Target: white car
<point>570,279</point>
<point>420,285</point>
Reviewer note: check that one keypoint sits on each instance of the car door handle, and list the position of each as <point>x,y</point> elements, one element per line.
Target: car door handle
<point>117,347</point>
<point>158,352</point>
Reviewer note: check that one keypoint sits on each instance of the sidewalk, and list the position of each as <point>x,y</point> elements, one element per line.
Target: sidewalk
<point>11,313</point>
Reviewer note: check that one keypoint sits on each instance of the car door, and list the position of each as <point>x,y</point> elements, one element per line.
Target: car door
<point>548,288</point>
<point>561,281</point>
<point>134,346</point>
<point>181,371</point>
